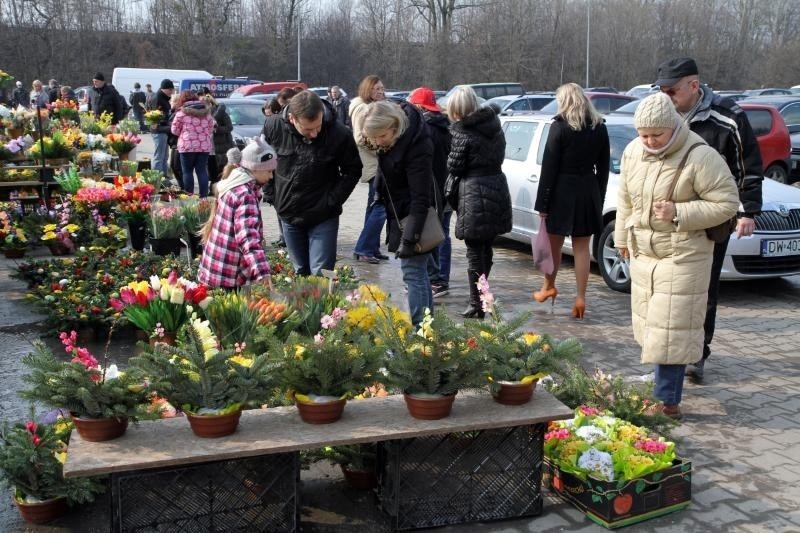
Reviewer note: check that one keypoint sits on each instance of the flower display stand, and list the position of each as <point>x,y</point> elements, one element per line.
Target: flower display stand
<point>614,504</point>
<point>251,494</point>
<point>451,479</point>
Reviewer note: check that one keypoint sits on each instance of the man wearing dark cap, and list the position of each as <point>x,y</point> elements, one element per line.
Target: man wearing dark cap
<point>105,98</point>
<point>161,131</point>
<point>724,126</point>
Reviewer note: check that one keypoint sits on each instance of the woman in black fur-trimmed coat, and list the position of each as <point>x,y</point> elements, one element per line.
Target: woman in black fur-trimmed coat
<point>477,188</point>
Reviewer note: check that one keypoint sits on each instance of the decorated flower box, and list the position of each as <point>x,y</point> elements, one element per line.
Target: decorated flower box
<point>615,504</point>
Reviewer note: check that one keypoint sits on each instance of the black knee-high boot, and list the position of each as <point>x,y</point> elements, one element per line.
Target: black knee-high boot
<point>474,309</point>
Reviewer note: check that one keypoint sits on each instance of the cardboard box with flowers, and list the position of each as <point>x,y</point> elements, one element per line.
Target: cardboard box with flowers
<point>614,471</point>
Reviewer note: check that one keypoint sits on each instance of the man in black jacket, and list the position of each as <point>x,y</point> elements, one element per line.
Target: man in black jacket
<point>318,168</point>
<point>724,126</point>
<point>105,98</point>
<point>161,131</point>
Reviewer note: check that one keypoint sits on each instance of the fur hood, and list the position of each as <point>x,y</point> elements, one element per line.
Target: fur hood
<point>196,109</point>
<point>483,121</point>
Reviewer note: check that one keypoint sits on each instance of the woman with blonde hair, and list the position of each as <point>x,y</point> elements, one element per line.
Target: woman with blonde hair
<point>405,181</point>
<point>476,187</point>
<point>367,247</point>
<point>572,187</point>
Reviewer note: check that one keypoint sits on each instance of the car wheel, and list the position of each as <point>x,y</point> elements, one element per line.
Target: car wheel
<point>777,173</point>
<point>614,269</point>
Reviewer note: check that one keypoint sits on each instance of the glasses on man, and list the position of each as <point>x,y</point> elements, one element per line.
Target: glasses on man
<point>671,91</point>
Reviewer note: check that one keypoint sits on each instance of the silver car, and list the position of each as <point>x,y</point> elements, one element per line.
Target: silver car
<point>772,251</point>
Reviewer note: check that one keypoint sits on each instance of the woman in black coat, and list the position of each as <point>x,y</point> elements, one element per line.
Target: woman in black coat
<point>223,138</point>
<point>405,179</point>
<point>572,187</point>
<point>477,188</point>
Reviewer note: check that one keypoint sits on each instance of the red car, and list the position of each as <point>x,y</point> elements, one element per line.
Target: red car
<point>773,139</point>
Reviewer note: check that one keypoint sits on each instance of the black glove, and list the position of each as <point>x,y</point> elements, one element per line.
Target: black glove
<point>406,250</point>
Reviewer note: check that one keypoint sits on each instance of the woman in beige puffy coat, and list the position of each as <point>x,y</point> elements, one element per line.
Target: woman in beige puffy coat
<point>665,239</point>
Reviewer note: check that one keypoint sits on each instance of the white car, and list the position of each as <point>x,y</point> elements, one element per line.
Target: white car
<point>772,251</point>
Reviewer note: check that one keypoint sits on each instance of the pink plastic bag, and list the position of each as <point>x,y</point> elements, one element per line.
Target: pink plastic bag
<point>542,255</point>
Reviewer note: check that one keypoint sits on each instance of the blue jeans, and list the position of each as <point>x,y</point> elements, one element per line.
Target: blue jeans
<point>160,157</point>
<point>192,162</point>
<point>439,263</point>
<point>369,242</point>
<point>312,249</point>
<point>415,276</point>
<point>669,383</point>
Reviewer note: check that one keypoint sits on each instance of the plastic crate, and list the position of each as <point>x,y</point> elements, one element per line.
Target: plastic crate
<point>250,494</point>
<point>461,477</point>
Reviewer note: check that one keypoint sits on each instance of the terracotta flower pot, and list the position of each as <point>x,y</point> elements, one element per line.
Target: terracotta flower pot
<point>213,426</point>
<point>58,248</point>
<point>13,133</point>
<point>42,512</point>
<point>168,338</point>
<point>360,479</point>
<point>100,429</point>
<point>425,408</point>
<point>515,393</point>
<point>320,413</point>
<point>14,253</point>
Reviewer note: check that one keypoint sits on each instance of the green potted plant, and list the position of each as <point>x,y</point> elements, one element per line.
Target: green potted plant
<point>56,149</point>
<point>166,228</point>
<point>31,463</point>
<point>431,364</point>
<point>195,212</point>
<point>515,359</point>
<point>211,385</point>
<point>100,398</point>
<point>357,462</point>
<point>323,370</point>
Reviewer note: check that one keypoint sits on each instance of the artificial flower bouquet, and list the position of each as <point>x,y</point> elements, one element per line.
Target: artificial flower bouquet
<point>55,147</point>
<point>74,137</point>
<point>12,149</point>
<point>64,110</point>
<point>153,117</point>
<point>32,456</point>
<point>82,385</point>
<point>15,119</point>
<point>122,143</point>
<point>166,220</point>
<point>203,378</point>
<point>161,303</point>
<point>336,363</point>
<point>615,471</point>
<point>12,236</point>
<point>433,359</point>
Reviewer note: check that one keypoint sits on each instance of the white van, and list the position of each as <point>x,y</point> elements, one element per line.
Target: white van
<point>124,78</point>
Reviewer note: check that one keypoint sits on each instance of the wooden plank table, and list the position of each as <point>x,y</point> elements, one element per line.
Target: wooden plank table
<point>170,446</point>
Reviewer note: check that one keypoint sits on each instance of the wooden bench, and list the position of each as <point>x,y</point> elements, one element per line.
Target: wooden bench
<point>482,462</point>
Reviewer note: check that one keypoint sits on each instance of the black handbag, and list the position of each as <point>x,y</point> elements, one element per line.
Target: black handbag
<point>432,233</point>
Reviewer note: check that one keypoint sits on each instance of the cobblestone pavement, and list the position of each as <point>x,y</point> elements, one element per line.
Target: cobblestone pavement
<point>741,428</point>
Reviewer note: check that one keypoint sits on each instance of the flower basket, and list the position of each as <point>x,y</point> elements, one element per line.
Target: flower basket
<point>214,426</point>
<point>14,253</point>
<point>100,429</point>
<point>57,247</point>
<point>42,512</point>
<point>429,407</point>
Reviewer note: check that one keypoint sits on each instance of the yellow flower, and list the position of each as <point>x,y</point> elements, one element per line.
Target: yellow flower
<point>486,335</point>
<point>372,293</point>
<point>531,338</point>
<point>49,227</point>
<point>242,360</point>
<point>299,350</point>
<point>203,330</point>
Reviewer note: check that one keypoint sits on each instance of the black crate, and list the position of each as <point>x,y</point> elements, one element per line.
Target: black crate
<point>251,494</point>
<point>461,477</point>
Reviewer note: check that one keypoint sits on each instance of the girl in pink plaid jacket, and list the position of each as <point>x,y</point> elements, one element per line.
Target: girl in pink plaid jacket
<point>233,251</point>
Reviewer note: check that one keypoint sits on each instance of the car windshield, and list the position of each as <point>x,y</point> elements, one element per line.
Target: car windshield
<point>245,115</point>
<point>629,108</point>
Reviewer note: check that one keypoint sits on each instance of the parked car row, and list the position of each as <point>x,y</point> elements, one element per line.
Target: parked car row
<point>772,251</point>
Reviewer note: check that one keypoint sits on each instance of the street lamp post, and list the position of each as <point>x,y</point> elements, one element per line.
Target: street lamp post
<point>588,25</point>
<point>298,49</point>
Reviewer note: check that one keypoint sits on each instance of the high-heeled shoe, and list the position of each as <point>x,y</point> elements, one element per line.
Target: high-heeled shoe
<point>579,308</point>
<point>542,295</point>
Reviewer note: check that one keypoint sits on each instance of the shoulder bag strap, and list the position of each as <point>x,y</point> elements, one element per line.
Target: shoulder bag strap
<point>679,170</point>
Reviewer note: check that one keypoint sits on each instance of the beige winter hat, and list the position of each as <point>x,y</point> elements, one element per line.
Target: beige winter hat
<point>656,111</point>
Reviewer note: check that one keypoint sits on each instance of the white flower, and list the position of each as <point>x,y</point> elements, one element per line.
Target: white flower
<point>63,282</point>
<point>112,372</point>
<point>597,462</point>
<point>204,302</point>
<point>155,282</point>
<point>177,296</point>
<point>590,434</point>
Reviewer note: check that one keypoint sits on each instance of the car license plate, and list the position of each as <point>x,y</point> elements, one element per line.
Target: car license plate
<point>780,247</point>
